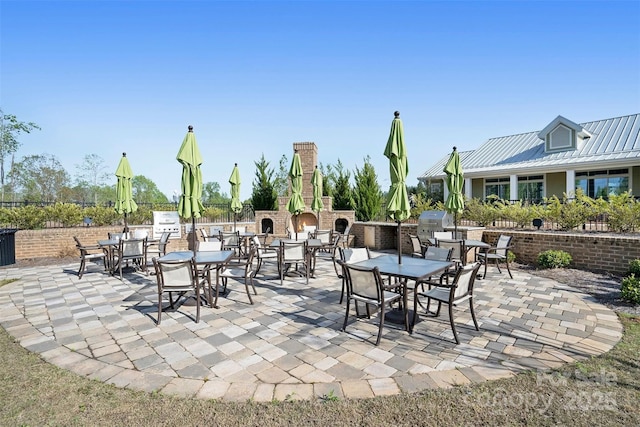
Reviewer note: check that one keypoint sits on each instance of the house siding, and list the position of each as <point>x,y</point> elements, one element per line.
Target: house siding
<point>556,184</point>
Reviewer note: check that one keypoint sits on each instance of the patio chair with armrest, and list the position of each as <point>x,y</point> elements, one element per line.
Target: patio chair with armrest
<point>231,241</point>
<point>241,270</point>
<point>350,255</point>
<point>497,254</point>
<point>89,253</point>
<point>364,284</point>
<point>134,250</point>
<point>158,248</point>
<point>293,253</point>
<point>177,276</point>
<point>417,250</point>
<point>453,294</point>
<point>264,253</point>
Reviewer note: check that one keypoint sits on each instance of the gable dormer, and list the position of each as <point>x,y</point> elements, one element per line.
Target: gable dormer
<point>562,135</point>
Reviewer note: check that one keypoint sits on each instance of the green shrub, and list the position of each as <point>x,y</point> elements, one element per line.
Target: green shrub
<point>630,289</point>
<point>67,214</point>
<point>554,259</point>
<point>634,268</point>
<point>623,212</point>
<point>480,212</point>
<point>102,215</point>
<point>29,217</point>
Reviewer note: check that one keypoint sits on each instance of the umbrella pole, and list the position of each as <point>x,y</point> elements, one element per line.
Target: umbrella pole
<point>455,225</point>
<point>193,234</point>
<point>399,244</point>
<point>295,225</point>
<point>126,227</point>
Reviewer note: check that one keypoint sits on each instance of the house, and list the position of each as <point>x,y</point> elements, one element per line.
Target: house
<point>601,157</point>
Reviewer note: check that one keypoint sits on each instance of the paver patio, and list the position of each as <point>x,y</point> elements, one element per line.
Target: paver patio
<point>288,345</point>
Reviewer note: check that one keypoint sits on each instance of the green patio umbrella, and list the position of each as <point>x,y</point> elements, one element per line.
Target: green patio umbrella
<point>124,193</point>
<point>398,207</point>
<point>236,204</point>
<point>455,179</point>
<point>316,203</point>
<point>190,205</point>
<point>295,205</point>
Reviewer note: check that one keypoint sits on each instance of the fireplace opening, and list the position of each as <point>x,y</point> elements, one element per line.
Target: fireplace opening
<point>266,225</point>
<point>341,225</point>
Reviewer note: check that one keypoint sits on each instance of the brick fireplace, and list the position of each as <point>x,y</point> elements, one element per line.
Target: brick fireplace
<point>281,220</point>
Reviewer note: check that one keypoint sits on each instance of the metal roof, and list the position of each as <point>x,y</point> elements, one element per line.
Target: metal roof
<point>613,142</point>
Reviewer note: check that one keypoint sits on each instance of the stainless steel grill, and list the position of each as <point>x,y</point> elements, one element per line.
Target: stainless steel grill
<point>430,221</point>
<point>166,221</point>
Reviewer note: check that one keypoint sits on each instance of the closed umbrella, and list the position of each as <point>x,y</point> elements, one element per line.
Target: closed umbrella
<point>398,207</point>
<point>124,192</point>
<point>190,204</point>
<point>316,203</point>
<point>236,205</point>
<point>455,179</point>
<point>295,205</point>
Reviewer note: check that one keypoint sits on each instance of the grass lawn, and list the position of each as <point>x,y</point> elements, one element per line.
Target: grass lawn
<point>604,390</point>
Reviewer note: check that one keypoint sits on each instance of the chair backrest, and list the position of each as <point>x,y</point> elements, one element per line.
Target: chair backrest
<point>457,247</point>
<point>293,251</point>
<point>131,248</point>
<point>164,237</point>
<point>442,235</point>
<point>176,274</point>
<point>438,254</point>
<point>116,236</point>
<point>364,282</point>
<point>204,234</point>
<point>464,280</point>
<point>352,255</point>
<point>503,243</point>
<point>140,233</point>
<point>299,236</point>
<point>78,242</point>
<point>323,235</point>
<point>230,238</point>
<point>416,245</point>
<point>211,245</point>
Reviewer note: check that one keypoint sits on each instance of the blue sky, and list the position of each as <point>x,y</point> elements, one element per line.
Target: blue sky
<point>255,77</point>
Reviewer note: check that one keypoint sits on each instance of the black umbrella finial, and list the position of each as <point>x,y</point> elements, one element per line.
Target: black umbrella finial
<point>454,148</point>
<point>124,154</point>
<point>190,128</point>
<point>396,114</point>
<point>236,164</point>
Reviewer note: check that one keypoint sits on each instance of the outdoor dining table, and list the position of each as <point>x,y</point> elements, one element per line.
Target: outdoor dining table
<point>410,269</point>
<point>204,258</point>
<point>109,246</point>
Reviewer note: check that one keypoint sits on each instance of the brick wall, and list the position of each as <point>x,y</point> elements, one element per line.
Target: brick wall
<point>590,251</point>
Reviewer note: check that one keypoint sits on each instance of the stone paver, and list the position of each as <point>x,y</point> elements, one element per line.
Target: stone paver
<point>289,345</point>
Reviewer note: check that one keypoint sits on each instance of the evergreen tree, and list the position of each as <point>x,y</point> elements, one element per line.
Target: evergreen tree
<point>281,180</point>
<point>342,194</point>
<point>328,179</point>
<point>263,195</point>
<point>367,194</point>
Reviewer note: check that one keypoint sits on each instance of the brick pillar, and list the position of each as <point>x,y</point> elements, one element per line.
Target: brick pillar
<point>308,152</point>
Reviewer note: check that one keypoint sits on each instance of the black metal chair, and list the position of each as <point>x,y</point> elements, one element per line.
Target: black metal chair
<point>365,285</point>
<point>453,294</point>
